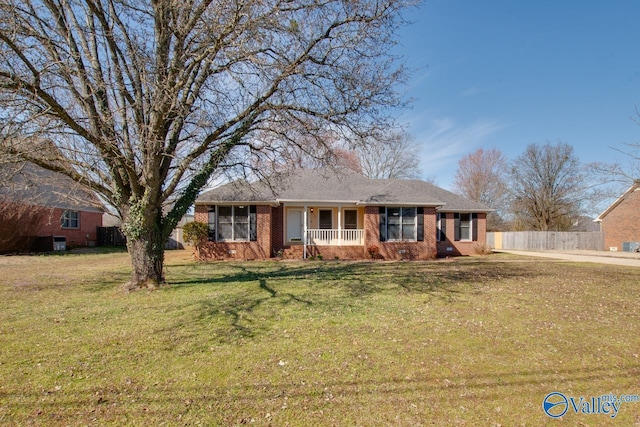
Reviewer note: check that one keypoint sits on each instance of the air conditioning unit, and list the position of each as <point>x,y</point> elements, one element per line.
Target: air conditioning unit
<point>631,246</point>
<point>59,243</point>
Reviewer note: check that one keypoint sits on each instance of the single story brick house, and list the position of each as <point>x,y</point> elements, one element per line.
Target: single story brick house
<point>67,215</point>
<point>620,222</point>
<point>345,215</point>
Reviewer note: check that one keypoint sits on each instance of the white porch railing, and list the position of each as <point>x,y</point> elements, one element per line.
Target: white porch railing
<point>333,237</point>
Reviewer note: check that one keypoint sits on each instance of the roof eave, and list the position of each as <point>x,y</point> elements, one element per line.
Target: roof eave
<point>619,200</point>
<point>310,201</point>
<point>468,210</point>
<point>405,203</point>
<point>273,203</point>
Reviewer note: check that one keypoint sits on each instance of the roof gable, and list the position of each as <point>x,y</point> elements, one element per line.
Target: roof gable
<point>612,206</point>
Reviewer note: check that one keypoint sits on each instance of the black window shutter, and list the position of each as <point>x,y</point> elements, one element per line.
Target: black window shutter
<point>456,226</point>
<point>382,212</point>
<point>474,226</point>
<point>420,225</point>
<point>253,223</point>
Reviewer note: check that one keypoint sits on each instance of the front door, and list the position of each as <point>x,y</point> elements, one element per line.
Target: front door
<point>294,225</point>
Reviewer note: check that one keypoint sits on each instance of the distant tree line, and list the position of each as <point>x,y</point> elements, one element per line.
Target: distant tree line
<point>546,188</point>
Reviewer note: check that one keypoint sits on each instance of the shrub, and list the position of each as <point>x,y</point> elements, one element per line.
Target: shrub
<point>195,233</point>
<point>374,251</point>
<point>482,249</point>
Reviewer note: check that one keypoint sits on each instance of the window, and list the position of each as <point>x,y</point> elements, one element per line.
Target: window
<point>70,219</point>
<point>225,223</point>
<point>326,220</point>
<point>240,223</point>
<point>398,224</point>
<point>350,219</point>
<point>466,226</point>
<point>233,223</point>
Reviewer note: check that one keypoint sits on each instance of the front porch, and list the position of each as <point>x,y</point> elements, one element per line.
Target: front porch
<point>324,225</point>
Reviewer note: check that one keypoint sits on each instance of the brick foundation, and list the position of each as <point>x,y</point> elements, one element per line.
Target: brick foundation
<point>327,252</point>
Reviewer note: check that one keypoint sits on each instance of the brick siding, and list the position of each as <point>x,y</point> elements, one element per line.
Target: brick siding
<point>622,224</point>
<point>400,250</point>
<point>271,235</point>
<point>260,249</point>
<point>451,247</point>
<point>85,235</point>
<point>277,228</point>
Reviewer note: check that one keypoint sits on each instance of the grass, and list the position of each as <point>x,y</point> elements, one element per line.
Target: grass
<point>469,341</point>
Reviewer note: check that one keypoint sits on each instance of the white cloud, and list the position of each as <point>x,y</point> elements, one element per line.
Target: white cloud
<point>443,142</point>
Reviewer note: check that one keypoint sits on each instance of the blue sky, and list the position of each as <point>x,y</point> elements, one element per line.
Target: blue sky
<point>505,74</point>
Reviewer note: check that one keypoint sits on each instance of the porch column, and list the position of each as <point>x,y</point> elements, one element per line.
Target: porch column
<point>339,225</point>
<point>304,233</point>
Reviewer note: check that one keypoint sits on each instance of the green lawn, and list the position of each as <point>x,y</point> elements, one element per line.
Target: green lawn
<point>468,341</point>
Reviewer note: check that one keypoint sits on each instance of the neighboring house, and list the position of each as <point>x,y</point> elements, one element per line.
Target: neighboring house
<point>112,234</point>
<point>620,222</point>
<point>585,224</point>
<point>69,215</point>
<point>342,215</point>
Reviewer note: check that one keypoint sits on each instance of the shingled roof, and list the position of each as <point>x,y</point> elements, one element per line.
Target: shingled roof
<point>33,185</point>
<point>345,186</point>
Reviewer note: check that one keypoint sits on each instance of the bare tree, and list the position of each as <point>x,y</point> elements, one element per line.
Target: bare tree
<point>306,153</point>
<point>621,173</point>
<point>548,186</point>
<point>391,155</point>
<point>143,100</point>
<point>481,177</point>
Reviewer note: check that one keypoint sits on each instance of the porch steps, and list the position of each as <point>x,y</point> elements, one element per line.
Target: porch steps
<point>292,252</point>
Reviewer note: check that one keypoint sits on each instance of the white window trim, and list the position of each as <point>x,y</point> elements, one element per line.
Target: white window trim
<point>470,239</point>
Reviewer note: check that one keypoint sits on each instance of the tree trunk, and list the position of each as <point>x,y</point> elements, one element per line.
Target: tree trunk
<point>147,261</point>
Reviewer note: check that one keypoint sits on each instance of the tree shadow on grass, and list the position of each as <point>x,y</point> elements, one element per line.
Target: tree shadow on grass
<point>239,309</point>
<point>247,297</point>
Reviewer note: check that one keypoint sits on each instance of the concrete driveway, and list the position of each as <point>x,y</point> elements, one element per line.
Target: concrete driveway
<point>631,259</point>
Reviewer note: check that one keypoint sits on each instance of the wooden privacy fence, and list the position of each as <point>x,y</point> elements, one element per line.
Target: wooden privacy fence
<point>546,240</point>
<point>111,236</point>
